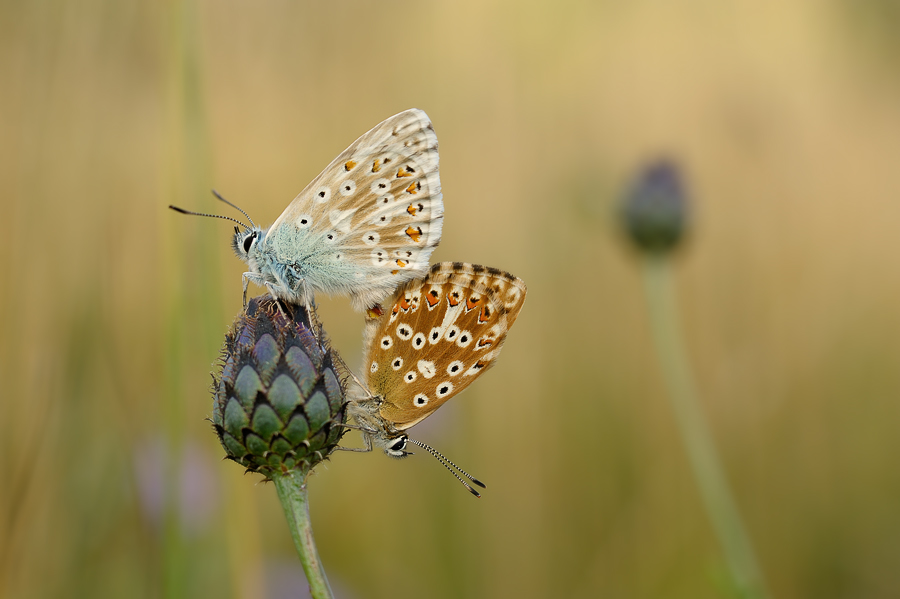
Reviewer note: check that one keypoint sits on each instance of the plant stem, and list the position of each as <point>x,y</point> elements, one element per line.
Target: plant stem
<point>292,492</point>
<point>717,497</point>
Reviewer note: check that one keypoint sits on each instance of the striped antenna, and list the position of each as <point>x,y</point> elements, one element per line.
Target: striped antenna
<point>447,464</point>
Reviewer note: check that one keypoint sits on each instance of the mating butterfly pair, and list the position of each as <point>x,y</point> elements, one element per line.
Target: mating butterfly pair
<point>366,227</point>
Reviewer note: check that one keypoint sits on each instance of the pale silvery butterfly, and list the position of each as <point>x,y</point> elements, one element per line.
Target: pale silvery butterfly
<point>440,333</point>
<point>363,226</point>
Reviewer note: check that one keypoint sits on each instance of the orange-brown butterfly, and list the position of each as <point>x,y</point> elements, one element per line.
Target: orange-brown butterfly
<point>440,333</point>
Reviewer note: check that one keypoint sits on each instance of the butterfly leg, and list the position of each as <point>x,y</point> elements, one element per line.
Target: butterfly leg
<point>367,439</point>
<point>245,279</point>
<point>316,326</point>
<point>271,289</point>
<point>340,360</point>
<point>307,294</point>
<point>357,449</point>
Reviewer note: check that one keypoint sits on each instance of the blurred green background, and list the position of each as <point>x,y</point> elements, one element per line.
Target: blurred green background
<point>786,119</point>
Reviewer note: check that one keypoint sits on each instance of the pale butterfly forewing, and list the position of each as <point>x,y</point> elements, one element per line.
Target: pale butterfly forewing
<point>439,334</point>
<point>373,216</point>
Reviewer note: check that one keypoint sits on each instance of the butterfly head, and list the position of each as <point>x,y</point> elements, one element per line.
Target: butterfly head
<point>246,243</point>
<point>380,432</point>
<point>394,446</point>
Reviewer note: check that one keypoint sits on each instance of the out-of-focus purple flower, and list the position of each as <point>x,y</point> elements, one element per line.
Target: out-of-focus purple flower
<point>654,210</point>
<point>195,495</point>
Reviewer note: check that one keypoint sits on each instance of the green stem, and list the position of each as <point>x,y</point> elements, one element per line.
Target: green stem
<point>292,492</point>
<point>717,497</point>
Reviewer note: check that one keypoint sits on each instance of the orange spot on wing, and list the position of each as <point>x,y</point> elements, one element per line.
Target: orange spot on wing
<point>393,272</point>
<point>485,343</point>
<point>401,263</point>
<point>412,187</point>
<point>411,209</point>
<point>402,172</point>
<point>400,305</point>
<point>348,165</point>
<point>414,234</point>
<point>432,298</point>
<point>471,304</point>
<point>453,299</point>
<point>376,165</point>
<point>485,314</point>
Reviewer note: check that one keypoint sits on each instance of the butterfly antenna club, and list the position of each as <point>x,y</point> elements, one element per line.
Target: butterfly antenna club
<point>447,464</point>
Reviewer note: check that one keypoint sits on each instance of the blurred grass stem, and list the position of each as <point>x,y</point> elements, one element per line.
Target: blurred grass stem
<point>704,459</point>
<point>292,493</point>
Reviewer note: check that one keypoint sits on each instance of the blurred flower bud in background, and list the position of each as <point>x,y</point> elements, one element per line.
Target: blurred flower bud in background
<point>654,209</point>
<point>278,402</point>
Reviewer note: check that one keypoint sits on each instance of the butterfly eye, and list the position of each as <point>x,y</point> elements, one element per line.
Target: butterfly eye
<point>396,448</point>
<point>248,241</point>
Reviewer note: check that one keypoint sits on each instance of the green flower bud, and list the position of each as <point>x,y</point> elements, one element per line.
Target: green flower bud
<point>654,211</point>
<point>278,402</point>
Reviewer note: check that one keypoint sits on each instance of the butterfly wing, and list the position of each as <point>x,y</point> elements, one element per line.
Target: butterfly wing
<point>440,334</point>
<point>507,289</point>
<point>370,220</point>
